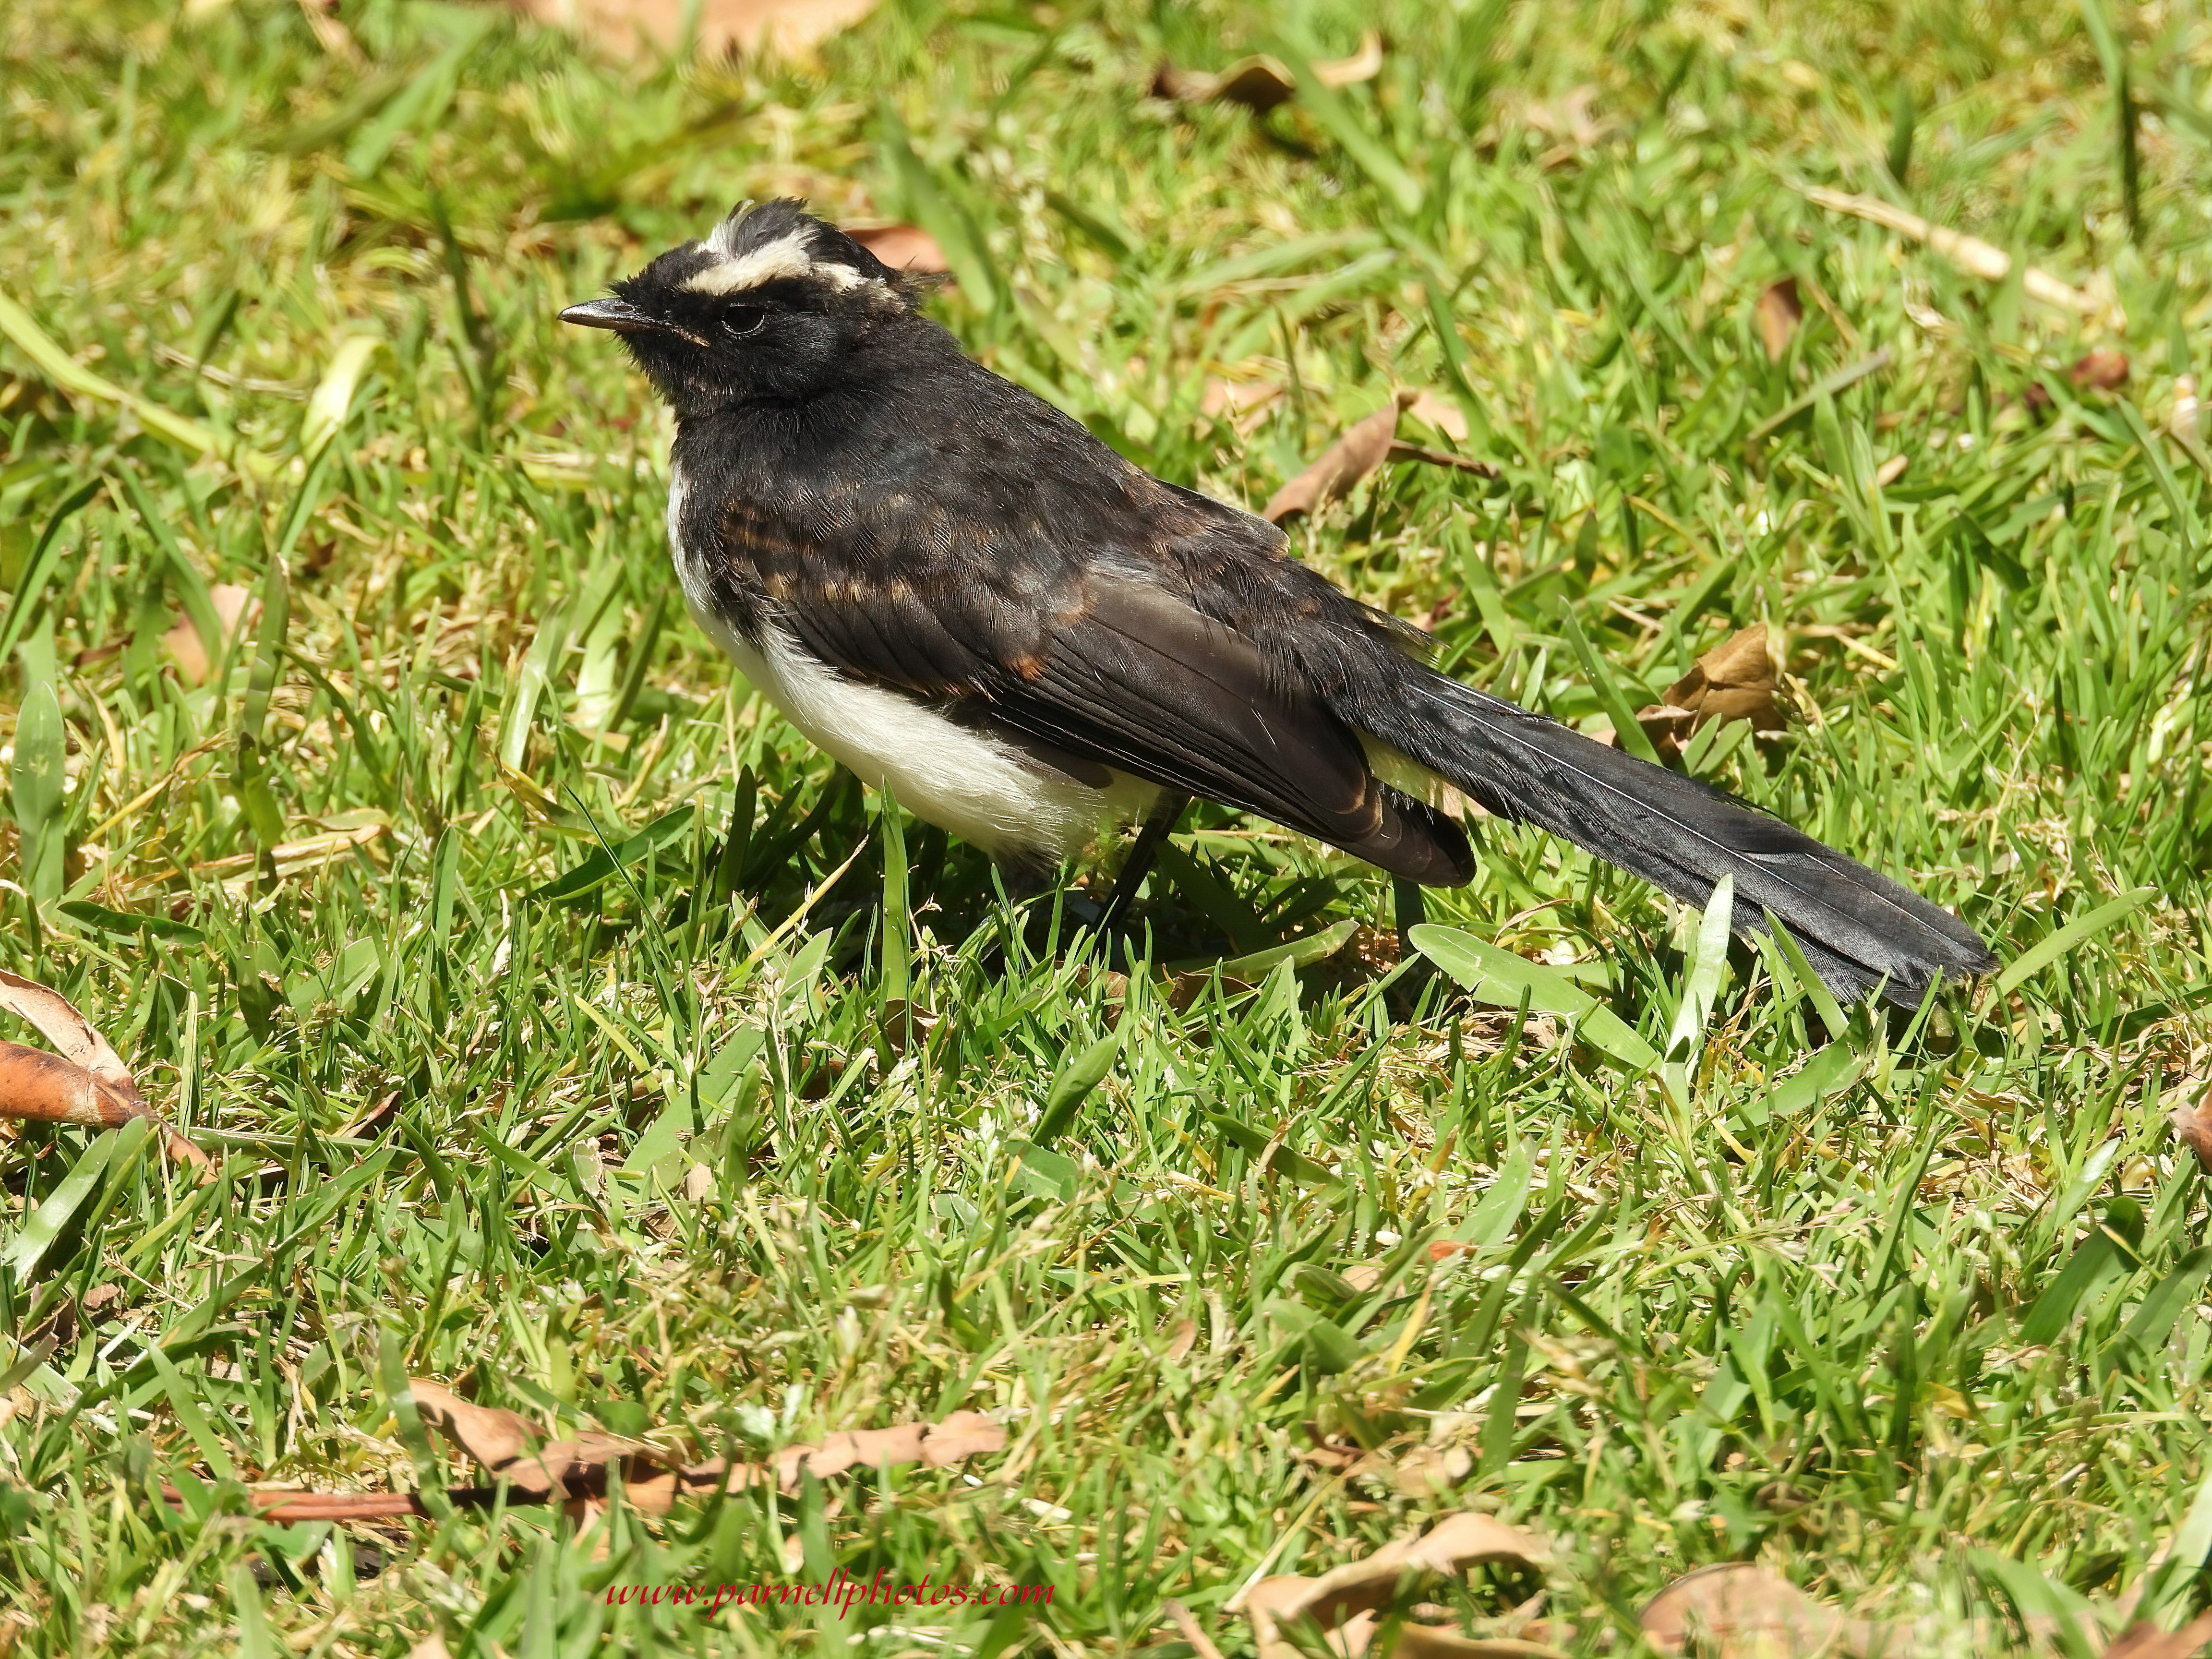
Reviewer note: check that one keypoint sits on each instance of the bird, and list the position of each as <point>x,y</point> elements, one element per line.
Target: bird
<point>959,592</point>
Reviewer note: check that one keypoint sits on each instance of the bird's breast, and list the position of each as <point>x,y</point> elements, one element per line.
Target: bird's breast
<point>963,778</point>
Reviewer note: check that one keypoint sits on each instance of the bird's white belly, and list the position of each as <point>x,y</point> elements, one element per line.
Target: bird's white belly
<point>963,780</point>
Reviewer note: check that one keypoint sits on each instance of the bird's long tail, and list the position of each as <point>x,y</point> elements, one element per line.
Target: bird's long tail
<point>1859,929</point>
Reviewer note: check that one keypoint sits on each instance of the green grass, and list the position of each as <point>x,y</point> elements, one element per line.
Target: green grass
<point>1921,1323</point>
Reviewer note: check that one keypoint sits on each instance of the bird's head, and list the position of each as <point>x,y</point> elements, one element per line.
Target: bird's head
<point>770,308</point>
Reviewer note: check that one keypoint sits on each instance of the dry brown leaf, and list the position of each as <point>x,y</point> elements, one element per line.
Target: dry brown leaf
<point>962,1435</point>
<point>580,1466</point>
<point>1739,1611</point>
<point>432,1646</point>
<point>1258,83</point>
<point>40,1086</point>
<point>1261,83</point>
<point>636,27</point>
<point>1341,466</point>
<point>1442,413</point>
<point>87,1084</point>
<point>2147,1641</point>
<point>233,605</point>
<point>575,1472</point>
<point>490,1436</point>
<point>2192,1122</point>
<point>1336,1598</point>
<point>904,247</point>
<point>56,1018</point>
<point>1460,1541</point>
<point>871,1448</point>
<point>1734,681</point>
<point>1182,1337</point>
<point>1780,311</point>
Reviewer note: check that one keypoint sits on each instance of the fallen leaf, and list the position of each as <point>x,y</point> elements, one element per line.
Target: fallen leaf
<point>432,1646</point>
<point>1261,83</point>
<point>1442,413</point>
<point>1341,466</point>
<point>637,28</point>
<point>1780,311</point>
<point>87,1084</point>
<point>1739,1611</point>
<point>232,605</point>
<point>1734,681</point>
<point>960,1436</point>
<point>2192,1123</point>
<point>492,1436</point>
<point>1336,1599</point>
<point>904,247</point>
<point>575,1472</point>
<point>56,1019</point>
<point>2147,1641</point>
<point>1258,83</point>
<point>2099,371</point>
<point>1181,1339</point>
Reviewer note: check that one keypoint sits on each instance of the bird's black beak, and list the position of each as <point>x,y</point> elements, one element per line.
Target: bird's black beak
<point>623,318</point>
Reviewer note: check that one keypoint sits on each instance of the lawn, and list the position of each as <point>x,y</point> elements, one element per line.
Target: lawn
<point>567,1032</point>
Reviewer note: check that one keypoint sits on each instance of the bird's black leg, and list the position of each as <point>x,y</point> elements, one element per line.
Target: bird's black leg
<point>1159,824</point>
<point>1414,975</point>
<point>1412,905</point>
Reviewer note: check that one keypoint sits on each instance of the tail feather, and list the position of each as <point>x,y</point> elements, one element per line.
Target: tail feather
<point>1859,929</point>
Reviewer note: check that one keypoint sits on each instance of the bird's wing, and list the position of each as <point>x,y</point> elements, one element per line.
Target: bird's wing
<point>1090,659</point>
<point>1118,674</point>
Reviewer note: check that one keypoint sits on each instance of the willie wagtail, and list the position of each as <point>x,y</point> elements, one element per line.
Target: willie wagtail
<point>963,596</point>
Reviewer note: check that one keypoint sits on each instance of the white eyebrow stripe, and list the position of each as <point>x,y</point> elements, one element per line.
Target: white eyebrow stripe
<point>787,256</point>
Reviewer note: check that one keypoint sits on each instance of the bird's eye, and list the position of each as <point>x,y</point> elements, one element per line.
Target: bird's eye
<point>738,321</point>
